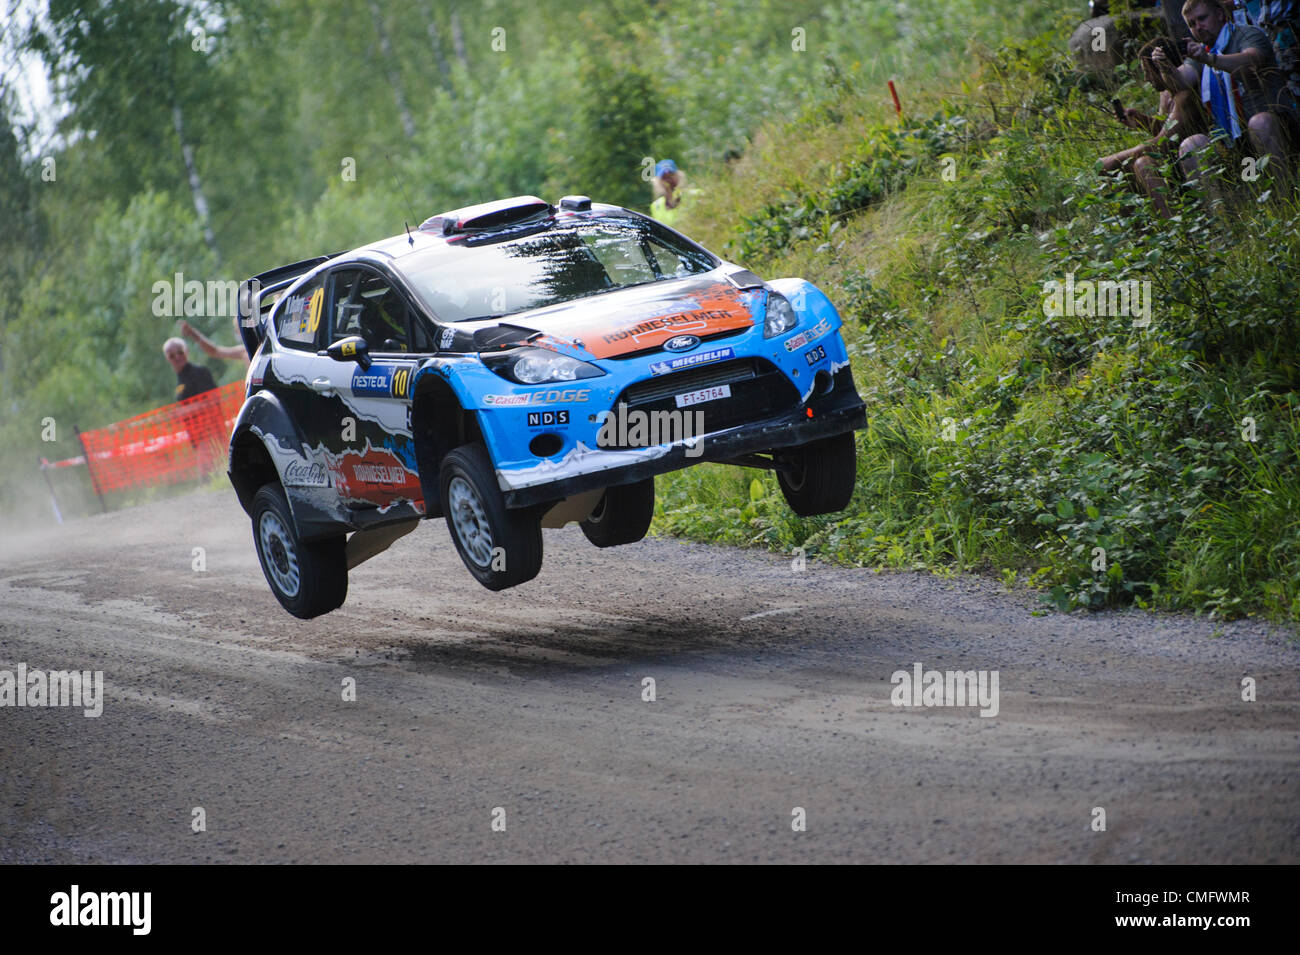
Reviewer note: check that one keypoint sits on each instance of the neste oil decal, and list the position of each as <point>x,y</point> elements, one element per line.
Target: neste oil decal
<point>383,381</point>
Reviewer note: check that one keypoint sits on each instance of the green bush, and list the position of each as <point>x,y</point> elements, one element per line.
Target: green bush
<point>1106,458</point>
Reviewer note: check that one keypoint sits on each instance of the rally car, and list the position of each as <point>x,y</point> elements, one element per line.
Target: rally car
<point>518,365</point>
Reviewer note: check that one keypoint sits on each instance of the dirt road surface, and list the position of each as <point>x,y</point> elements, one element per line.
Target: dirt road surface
<point>772,694</point>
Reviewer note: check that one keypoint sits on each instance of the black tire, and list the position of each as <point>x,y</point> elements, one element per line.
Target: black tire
<point>821,475</point>
<point>307,579</point>
<point>479,522</point>
<point>623,514</point>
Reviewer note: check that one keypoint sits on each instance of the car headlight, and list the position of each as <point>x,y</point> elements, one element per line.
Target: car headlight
<point>780,315</point>
<point>537,366</point>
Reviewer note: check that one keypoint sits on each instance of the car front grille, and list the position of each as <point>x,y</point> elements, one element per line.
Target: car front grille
<point>691,379</point>
<point>758,390</point>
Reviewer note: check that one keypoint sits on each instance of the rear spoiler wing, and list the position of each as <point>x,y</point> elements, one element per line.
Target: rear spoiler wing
<point>255,297</point>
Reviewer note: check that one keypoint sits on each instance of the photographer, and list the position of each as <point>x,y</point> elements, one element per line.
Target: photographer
<point>1232,68</point>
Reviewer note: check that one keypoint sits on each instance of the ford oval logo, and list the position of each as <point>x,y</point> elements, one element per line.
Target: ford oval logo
<point>681,343</point>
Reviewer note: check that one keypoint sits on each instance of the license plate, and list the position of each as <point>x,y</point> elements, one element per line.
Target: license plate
<point>703,395</point>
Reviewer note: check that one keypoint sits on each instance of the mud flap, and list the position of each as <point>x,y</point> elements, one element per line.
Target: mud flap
<point>366,544</point>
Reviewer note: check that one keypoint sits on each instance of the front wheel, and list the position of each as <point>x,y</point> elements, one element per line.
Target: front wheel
<point>819,476</point>
<point>307,579</point>
<point>622,515</point>
<point>501,548</point>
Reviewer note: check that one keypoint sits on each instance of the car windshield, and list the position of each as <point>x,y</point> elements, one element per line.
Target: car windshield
<point>490,276</point>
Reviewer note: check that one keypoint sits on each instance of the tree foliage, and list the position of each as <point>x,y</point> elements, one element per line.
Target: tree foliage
<point>285,116</point>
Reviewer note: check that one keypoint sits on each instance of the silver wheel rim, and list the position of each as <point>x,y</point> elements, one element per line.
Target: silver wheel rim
<point>278,553</point>
<point>470,520</point>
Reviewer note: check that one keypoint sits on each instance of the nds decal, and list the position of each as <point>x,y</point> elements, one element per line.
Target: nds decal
<point>383,381</point>
<point>547,419</point>
<point>803,338</point>
<point>690,361</point>
<point>537,398</point>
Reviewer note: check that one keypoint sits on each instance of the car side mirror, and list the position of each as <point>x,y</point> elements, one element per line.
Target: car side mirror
<point>353,348</point>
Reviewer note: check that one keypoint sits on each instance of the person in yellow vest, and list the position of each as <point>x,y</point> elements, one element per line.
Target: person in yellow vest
<point>670,189</point>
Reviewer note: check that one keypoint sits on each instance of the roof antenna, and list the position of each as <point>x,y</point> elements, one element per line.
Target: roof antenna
<point>409,208</point>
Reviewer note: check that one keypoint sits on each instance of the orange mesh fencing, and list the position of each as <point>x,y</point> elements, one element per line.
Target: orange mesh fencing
<point>178,442</point>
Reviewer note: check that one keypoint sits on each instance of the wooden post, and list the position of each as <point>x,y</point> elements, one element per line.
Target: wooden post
<point>54,501</point>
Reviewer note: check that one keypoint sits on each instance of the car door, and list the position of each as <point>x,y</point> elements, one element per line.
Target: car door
<point>377,467</point>
<point>299,378</point>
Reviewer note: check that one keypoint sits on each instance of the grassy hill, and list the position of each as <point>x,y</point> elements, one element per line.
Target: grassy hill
<point>1101,462</point>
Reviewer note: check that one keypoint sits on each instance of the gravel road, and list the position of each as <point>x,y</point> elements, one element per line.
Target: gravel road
<point>772,694</point>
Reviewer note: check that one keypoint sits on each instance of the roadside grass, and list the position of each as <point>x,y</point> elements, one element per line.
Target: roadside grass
<point>1102,460</point>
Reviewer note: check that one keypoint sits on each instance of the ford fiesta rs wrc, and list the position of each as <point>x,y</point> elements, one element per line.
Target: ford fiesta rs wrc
<point>519,365</point>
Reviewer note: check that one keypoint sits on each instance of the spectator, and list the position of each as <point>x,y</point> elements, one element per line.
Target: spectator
<point>669,188</point>
<point>1280,20</point>
<point>1183,116</point>
<point>1232,68</point>
<point>213,350</point>
<point>191,379</point>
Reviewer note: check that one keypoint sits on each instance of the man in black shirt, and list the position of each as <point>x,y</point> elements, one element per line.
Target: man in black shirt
<point>191,379</point>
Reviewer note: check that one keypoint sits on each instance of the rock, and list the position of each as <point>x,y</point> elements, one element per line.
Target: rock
<point>1094,51</point>
<point>1119,40</point>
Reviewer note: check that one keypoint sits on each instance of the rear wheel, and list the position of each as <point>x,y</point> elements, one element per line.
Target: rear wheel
<point>819,476</point>
<point>307,579</point>
<point>622,515</point>
<point>501,548</point>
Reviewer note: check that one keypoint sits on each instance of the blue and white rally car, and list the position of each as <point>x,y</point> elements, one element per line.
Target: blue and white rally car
<point>518,365</point>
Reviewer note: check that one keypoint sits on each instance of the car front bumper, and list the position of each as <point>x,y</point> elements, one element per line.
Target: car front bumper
<point>822,415</point>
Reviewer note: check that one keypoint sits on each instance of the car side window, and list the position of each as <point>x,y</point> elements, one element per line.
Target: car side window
<point>365,303</point>
<point>300,317</point>
<point>421,337</point>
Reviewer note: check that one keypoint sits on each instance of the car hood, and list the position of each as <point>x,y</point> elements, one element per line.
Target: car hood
<point>638,319</point>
